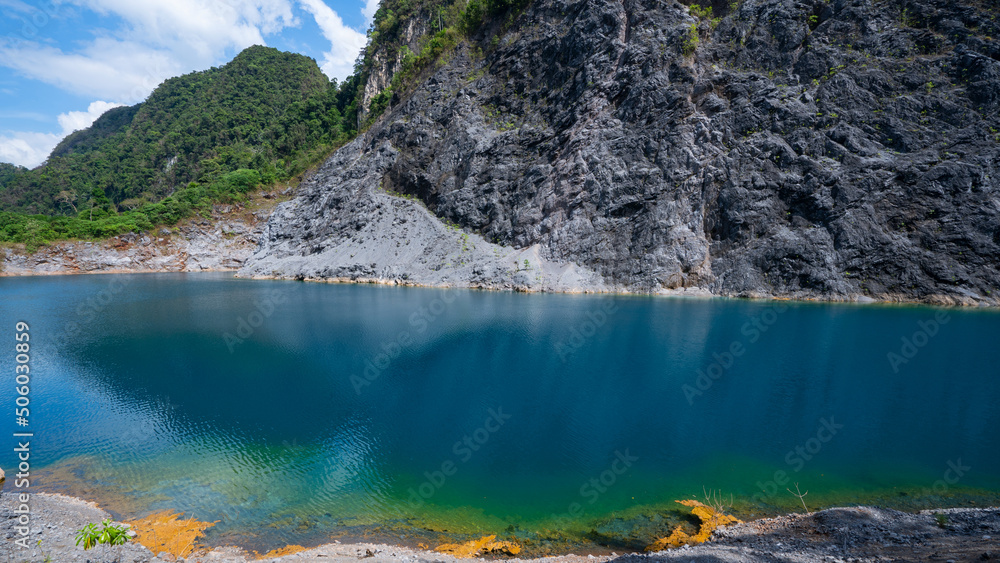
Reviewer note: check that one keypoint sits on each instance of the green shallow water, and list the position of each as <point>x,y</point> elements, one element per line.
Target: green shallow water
<point>155,392</point>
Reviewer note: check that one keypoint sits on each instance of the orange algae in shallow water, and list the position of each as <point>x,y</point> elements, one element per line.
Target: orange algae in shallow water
<point>710,520</point>
<point>485,544</point>
<point>165,531</point>
<point>287,550</point>
<point>677,538</point>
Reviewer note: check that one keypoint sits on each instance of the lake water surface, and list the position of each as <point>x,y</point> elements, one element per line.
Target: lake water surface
<point>292,412</point>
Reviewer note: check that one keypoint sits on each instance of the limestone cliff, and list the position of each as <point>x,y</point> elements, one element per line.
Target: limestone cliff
<point>837,149</point>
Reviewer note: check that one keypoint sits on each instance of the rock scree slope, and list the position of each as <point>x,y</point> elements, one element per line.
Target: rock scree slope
<point>841,149</point>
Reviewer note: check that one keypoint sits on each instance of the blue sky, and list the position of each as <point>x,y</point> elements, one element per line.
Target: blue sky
<point>65,62</point>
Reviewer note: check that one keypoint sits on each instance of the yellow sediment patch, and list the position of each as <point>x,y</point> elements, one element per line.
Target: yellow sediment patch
<point>484,545</point>
<point>287,550</point>
<point>165,531</point>
<point>710,520</point>
<point>677,538</point>
<point>79,477</point>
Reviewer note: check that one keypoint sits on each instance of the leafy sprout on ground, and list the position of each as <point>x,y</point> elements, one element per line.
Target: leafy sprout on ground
<point>110,534</point>
<point>941,519</point>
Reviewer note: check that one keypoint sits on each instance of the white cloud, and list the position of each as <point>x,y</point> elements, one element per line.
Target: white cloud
<point>158,39</point>
<point>345,43</point>
<point>31,149</point>
<point>371,6</point>
<point>77,120</point>
<point>198,29</point>
<point>26,148</point>
<point>106,69</point>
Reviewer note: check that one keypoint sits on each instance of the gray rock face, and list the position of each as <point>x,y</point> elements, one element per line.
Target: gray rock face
<point>360,233</point>
<point>840,150</point>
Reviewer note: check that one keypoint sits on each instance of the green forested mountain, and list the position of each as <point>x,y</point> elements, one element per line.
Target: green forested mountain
<point>262,111</point>
<point>214,135</point>
<point>201,137</point>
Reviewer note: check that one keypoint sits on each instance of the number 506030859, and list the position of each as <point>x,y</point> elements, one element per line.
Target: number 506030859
<point>22,370</point>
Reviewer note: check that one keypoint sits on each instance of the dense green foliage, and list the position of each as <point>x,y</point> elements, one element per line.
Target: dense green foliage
<point>203,137</point>
<point>8,172</point>
<point>100,220</point>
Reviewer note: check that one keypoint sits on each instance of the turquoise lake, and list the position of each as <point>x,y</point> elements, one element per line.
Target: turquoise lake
<point>297,412</point>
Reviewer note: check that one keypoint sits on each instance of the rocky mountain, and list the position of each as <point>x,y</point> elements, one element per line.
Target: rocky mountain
<point>835,149</point>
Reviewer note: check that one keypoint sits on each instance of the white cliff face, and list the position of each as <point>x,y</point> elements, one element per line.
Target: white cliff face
<point>385,64</point>
<point>220,245</point>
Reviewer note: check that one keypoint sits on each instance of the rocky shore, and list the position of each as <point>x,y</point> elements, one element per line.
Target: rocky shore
<point>406,245</point>
<point>858,534</point>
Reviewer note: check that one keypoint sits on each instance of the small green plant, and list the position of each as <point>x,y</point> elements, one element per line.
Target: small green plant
<point>905,19</point>
<point>691,41</point>
<point>700,13</point>
<point>110,534</point>
<point>941,519</point>
<point>527,265</point>
<point>48,557</point>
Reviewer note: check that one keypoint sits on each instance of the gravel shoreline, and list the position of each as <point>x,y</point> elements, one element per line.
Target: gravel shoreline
<point>857,534</point>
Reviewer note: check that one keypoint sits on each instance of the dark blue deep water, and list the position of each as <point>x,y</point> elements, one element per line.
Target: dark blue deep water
<point>294,412</point>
